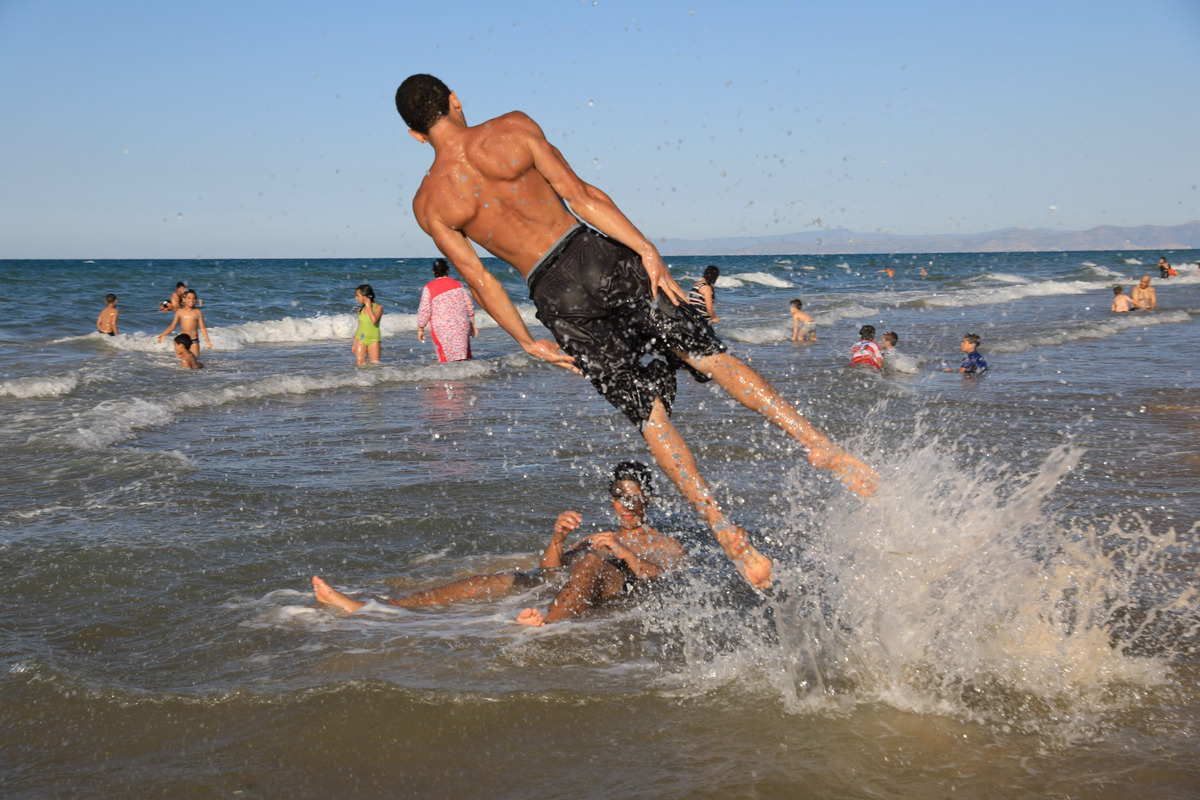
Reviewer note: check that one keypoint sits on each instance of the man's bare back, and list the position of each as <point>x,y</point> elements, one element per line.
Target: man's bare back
<point>488,187</point>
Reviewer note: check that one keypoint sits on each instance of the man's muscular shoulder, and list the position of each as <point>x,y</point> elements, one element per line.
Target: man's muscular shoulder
<point>501,148</point>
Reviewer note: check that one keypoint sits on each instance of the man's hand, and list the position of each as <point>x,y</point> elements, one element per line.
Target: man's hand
<point>549,352</point>
<point>607,540</point>
<point>660,278</point>
<point>567,522</point>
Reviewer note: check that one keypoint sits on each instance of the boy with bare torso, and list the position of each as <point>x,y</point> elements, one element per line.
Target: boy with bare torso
<point>190,321</point>
<point>603,290</point>
<point>107,321</point>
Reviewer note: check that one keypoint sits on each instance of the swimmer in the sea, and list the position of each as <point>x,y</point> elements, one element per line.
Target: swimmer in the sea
<point>602,566</point>
<point>1122,302</point>
<point>175,301</point>
<point>1144,293</point>
<point>107,321</point>
<point>183,351</point>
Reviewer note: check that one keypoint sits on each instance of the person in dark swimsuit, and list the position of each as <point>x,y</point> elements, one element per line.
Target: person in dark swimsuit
<point>603,566</point>
<point>704,292</point>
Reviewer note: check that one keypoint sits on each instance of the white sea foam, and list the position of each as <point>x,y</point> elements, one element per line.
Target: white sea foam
<point>290,330</point>
<point>763,279</point>
<point>42,386</point>
<point>895,361</point>
<point>114,421</point>
<point>762,334</point>
<point>1101,329</point>
<point>991,295</point>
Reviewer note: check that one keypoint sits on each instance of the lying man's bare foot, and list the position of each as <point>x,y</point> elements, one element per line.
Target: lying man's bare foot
<point>753,565</point>
<point>531,616</point>
<point>857,476</point>
<point>331,596</point>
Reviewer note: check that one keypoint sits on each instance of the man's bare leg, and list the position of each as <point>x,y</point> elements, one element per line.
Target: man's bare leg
<point>592,581</point>
<point>748,387</point>
<point>470,588</point>
<point>331,596</point>
<point>676,460</point>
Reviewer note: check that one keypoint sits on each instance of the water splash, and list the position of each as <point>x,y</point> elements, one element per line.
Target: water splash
<point>954,591</point>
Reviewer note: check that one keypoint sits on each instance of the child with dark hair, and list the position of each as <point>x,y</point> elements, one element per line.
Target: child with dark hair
<point>183,351</point>
<point>366,336</point>
<point>973,363</point>
<point>447,309</point>
<point>865,352</point>
<point>107,321</point>
<point>803,325</point>
<point>1122,302</point>
<point>704,292</point>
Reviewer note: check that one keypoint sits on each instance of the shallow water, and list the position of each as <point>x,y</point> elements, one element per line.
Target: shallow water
<point>1013,614</point>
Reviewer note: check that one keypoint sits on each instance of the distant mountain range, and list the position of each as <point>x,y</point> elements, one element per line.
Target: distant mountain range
<point>1007,240</point>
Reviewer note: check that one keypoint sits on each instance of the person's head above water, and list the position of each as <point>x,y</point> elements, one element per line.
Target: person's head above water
<point>867,332</point>
<point>631,490</point>
<point>440,268</point>
<point>422,100</point>
<point>635,472</point>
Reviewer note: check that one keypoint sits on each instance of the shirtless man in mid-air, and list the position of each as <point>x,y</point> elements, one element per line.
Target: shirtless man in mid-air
<point>603,291</point>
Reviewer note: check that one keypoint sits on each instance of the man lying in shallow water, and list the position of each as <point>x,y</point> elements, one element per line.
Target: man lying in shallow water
<point>602,565</point>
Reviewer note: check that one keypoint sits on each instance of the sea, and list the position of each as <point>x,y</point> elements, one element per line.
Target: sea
<point>1013,614</point>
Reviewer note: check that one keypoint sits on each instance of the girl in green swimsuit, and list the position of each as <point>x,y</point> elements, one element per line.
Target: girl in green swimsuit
<point>366,338</point>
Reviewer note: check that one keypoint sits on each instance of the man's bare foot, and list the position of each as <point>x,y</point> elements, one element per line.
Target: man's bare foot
<point>531,616</point>
<point>755,568</point>
<point>857,476</point>
<point>331,596</point>
<point>753,565</point>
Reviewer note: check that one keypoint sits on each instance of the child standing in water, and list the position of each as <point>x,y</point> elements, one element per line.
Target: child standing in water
<point>190,321</point>
<point>803,326</point>
<point>366,337</point>
<point>973,364</point>
<point>107,321</point>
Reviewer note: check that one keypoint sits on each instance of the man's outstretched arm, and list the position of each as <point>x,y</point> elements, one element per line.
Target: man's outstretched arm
<point>488,292</point>
<point>597,209</point>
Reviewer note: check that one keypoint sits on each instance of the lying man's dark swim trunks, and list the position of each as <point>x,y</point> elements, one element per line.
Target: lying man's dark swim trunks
<point>593,294</point>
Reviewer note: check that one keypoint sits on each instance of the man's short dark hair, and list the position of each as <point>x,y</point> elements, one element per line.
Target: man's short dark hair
<point>440,268</point>
<point>867,332</point>
<point>634,471</point>
<point>422,100</point>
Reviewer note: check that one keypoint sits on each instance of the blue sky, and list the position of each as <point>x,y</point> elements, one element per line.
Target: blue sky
<point>267,129</point>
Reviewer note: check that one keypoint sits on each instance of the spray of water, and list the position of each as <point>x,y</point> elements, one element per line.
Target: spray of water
<point>955,591</point>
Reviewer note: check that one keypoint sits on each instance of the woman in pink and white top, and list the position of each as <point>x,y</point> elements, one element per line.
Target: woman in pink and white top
<point>447,309</point>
